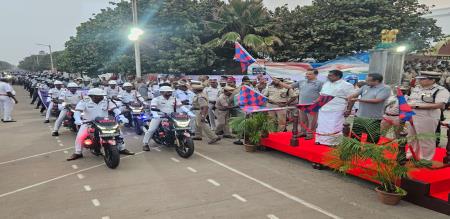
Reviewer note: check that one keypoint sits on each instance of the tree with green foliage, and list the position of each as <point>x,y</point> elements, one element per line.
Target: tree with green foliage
<point>329,28</point>
<point>246,21</point>
<point>5,66</point>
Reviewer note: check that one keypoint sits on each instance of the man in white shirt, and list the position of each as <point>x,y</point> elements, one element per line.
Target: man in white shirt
<point>53,95</point>
<point>166,103</point>
<point>331,116</point>
<point>128,95</point>
<point>6,100</point>
<point>96,106</point>
<point>212,92</point>
<point>71,97</point>
<point>112,91</point>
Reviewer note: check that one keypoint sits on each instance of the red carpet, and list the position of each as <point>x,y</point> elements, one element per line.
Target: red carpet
<point>439,179</point>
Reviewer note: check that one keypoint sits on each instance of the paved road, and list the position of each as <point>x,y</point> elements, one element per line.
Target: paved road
<point>218,181</point>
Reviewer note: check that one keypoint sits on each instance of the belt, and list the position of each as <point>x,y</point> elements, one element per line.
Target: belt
<point>212,102</point>
<point>391,114</point>
<point>195,109</point>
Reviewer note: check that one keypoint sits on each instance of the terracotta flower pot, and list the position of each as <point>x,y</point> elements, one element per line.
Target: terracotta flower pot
<point>250,148</point>
<point>388,198</point>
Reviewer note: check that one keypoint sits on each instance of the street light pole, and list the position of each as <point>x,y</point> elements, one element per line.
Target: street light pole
<point>137,52</point>
<point>51,56</point>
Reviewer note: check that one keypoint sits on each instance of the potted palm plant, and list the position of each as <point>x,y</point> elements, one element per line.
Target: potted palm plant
<point>388,170</point>
<point>252,128</point>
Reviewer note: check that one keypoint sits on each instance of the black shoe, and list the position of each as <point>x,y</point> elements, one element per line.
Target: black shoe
<point>238,142</point>
<point>9,121</point>
<point>146,148</point>
<point>55,134</point>
<point>126,152</point>
<point>214,140</point>
<point>47,121</point>
<point>74,157</point>
<point>197,139</point>
<point>228,136</point>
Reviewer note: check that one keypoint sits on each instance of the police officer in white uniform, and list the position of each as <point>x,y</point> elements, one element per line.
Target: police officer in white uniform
<point>212,92</point>
<point>166,103</point>
<point>6,100</point>
<point>128,95</point>
<point>53,95</point>
<point>112,91</point>
<point>71,97</point>
<point>96,106</point>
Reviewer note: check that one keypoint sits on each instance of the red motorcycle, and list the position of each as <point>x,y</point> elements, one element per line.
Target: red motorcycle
<point>103,138</point>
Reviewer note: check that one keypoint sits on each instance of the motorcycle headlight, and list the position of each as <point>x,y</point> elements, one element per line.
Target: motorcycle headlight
<point>182,124</point>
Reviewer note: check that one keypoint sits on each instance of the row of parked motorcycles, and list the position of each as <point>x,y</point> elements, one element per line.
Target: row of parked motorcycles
<point>104,133</point>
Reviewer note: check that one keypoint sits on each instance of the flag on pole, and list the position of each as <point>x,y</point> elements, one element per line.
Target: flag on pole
<point>250,100</point>
<point>405,110</point>
<point>241,55</point>
<point>316,105</point>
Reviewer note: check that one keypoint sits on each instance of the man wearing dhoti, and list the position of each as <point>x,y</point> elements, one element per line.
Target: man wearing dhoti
<point>427,100</point>
<point>331,116</point>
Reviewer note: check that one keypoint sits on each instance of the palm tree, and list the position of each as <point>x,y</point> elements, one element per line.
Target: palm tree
<point>245,21</point>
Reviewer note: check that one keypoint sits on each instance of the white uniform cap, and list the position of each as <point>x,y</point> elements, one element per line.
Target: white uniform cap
<point>57,83</point>
<point>127,84</point>
<point>165,89</point>
<point>72,85</point>
<point>96,92</point>
<point>112,82</point>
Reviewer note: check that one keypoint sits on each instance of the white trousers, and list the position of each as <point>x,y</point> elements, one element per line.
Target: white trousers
<point>329,127</point>
<point>154,123</point>
<point>7,106</point>
<point>83,134</point>
<point>61,117</point>
<point>49,110</point>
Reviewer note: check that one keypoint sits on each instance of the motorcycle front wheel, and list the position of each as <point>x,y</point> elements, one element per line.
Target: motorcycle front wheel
<point>137,126</point>
<point>186,147</point>
<point>112,156</point>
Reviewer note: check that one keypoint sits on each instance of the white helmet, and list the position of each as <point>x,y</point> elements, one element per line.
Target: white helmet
<point>57,83</point>
<point>96,92</point>
<point>165,89</point>
<point>127,84</point>
<point>112,82</point>
<point>72,85</point>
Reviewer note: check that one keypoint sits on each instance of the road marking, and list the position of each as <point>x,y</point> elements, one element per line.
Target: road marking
<point>271,216</point>
<point>80,176</point>
<point>157,149</point>
<point>66,152</point>
<point>106,217</point>
<point>175,159</point>
<point>87,188</point>
<point>192,169</point>
<point>36,155</point>
<point>136,137</point>
<point>59,141</point>
<point>61,144</point>
<point>57,137</point>
<point>74,167</point>
<point>238,197</point>
<point>268,186</point>
<point>95,202</point>
<point>213,182</point>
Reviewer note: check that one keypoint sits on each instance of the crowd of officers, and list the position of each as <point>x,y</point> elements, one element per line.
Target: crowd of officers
<point>212,101</point>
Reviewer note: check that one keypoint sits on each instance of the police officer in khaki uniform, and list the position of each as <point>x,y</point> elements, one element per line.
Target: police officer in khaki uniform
<point>279,97</point>
<point>200,108</point>
<point>224,105</point>
<point>427,100</point>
